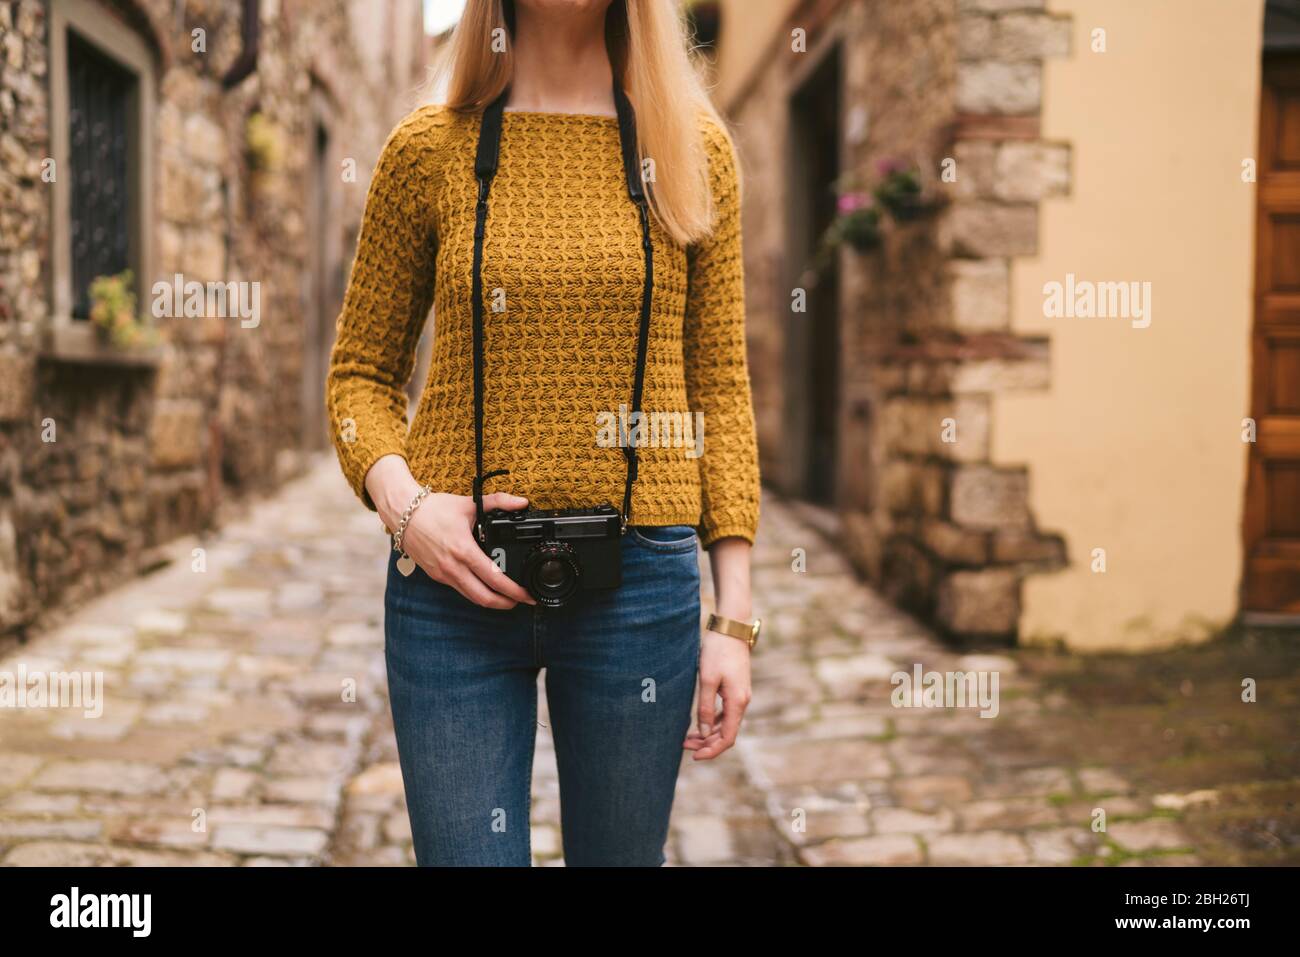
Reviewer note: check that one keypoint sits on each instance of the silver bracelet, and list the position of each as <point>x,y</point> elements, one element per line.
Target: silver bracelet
<point>406,518</point>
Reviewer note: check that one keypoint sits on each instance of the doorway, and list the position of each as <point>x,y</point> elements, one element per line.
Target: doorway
<point>1271,580</point>
<point>812,370</point>
<point>323,263</point>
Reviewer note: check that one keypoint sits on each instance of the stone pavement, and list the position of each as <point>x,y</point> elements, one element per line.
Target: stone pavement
<point>244,722</point>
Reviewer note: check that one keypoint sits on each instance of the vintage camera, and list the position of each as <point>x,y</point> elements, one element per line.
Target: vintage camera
<point>555,553</point>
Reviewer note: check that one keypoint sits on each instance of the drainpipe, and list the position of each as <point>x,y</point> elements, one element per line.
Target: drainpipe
<point>250,30</point>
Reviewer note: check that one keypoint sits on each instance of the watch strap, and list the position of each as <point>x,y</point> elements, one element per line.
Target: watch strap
<point>736,629</point>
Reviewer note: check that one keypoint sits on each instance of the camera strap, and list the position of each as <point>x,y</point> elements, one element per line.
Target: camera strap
<point>485,167</point>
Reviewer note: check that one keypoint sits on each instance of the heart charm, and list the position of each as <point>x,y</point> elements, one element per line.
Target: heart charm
<point>406,565</point>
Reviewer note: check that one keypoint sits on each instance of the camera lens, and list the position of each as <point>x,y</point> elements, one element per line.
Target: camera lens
<point>551,573</point>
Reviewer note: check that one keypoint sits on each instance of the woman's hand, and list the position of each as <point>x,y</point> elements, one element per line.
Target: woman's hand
<point>439,535</point>
<point>724,670</point>
<point>724,661</point>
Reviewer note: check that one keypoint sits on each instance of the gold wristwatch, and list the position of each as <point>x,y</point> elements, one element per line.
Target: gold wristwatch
<point>745,631</point>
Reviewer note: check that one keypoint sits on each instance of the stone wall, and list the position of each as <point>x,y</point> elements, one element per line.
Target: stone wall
<point>145,450</point>
<point>924,335</point>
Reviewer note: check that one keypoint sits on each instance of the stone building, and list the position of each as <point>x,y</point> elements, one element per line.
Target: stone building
<point>1056,396</point>
<point>223,143</point>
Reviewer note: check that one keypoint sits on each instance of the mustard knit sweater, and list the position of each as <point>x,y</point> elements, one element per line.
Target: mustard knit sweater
<point>562,276</point>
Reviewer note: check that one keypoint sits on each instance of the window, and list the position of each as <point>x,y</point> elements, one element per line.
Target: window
<point>100,96</point>
<point>101,104</point>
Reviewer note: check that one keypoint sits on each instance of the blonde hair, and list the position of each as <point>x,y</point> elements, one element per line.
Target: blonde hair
<point>646,40</point>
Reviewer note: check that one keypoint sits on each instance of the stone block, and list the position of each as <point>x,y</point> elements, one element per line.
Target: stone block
<point>985,602</point>
<point>981,296</point>
<point>980,230</point>
<point>1000,6</point>
<point>1030,36</point>
<point>952,543</point>
<point>976,168</point>
<point>910,486</point>
<point>1006,89</point>
<point>176,434</point>
<point>16,386</point>
<point>1011,546</point>
<point>1027,172</point>
<point>1001,375</point>
<point>990,498</point>
<point>975,34</point>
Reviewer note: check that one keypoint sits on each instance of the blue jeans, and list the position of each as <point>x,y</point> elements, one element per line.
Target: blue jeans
<point>620,677</point>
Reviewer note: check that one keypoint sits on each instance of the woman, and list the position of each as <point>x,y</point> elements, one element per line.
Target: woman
<point>521,385</point>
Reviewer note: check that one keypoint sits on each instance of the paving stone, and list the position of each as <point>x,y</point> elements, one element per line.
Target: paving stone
<point>231,784</point>
<point>255,602</point>
<point>294,596</point>
<point>306,790</point>
<point>73,854</point>
<point>17,829</point>
<point>1063,845</point>
<point>384,779</point>
<point>104,777</point>
<point>272,841</point>
<point>397,828</point>
<point>1178,802</point>
<point>1010,813</point>
<point>703,839</point>
<point>33,803</point>
<point>790,763</point>
<point>162,622</point>
<point>881,850</point>
<point>270,815</point>
<point>174,832</point>
<point>184,659</point>
<point>1102,781</point>
<point>898,820</point>
<point>1031,781</point>
<point>1157,833</point>
<point>979,848</point>
<point>927,792</point>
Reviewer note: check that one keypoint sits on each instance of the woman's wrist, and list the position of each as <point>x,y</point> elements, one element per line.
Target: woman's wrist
<point>391,487</point>
<point>736,609</point>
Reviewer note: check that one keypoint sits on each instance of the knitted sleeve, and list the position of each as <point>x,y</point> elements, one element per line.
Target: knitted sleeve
<point>717,373</point>
<point>388,298</point>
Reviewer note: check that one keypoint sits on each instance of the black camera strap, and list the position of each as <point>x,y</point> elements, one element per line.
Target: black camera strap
<point>485,167</point>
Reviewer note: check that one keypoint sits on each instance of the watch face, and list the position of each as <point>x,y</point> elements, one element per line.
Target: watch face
<point>753,635</point>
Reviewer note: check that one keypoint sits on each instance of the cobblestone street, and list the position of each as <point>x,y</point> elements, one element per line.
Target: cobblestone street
<point>245,723</point>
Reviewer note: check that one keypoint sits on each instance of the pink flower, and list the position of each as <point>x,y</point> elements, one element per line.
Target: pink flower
<point>852,202</point>
<point>888,167</point>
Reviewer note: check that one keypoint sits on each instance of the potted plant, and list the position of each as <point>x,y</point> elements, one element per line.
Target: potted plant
<point>899,191</point>
<point>263,148</point>
<point>113,312</point>
<point>857,222</point>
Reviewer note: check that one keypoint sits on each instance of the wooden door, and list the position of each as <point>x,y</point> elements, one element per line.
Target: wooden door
<point>1272,515</point>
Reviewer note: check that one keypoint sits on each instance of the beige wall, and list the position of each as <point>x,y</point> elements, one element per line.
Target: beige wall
<point>747,28</point>
<point>1136,446</point>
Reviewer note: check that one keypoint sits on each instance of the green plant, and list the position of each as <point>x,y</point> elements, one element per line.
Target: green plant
<point>857,222</point>
<point>263,145</point>
<point>113,311</point>
<point>899,191</point>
